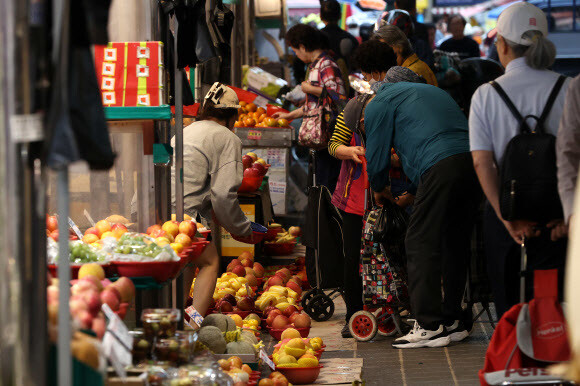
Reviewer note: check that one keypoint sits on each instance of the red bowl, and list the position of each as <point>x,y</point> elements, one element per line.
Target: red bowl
<point>250,184</point>
<point>300,375</point>
<point>197,248</point>
<point>272,232</point>
<point>205,233</point>
<point>254,239</point>
<point>277,333</point>
<point>161,271</point>
<point>74,270</point>
<point>279,249</point>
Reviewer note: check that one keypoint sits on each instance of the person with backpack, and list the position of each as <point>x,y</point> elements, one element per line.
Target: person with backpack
<point>516,169</point>
<point>323,75</point>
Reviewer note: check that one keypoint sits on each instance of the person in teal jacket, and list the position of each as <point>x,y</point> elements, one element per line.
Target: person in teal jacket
<point>430,136</point>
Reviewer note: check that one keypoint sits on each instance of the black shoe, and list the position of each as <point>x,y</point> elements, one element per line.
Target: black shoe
<point>346,331</point>
<point>457,331</point>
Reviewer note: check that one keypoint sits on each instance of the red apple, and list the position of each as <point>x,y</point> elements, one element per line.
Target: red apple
<point>188,228</point>
<point>258,269</point>
<point>252,173</point>
<point>259,168</point>
<point>289,311</point>
<point>246,303</point>
<point>153,228</point>
<point>111,297</point>
<point>224,306</point>
<point>247,263</point>
<point>239,270</point>
<point>268,310</point>
<point>302,321</point>
<point>292,317</point>
<point>85,319</point>
<point>92,230</point>
<point>294,287</point>
<point>99,326</point>
<point>51,223</point>
<point>118,226</point>
<point>280,322</point>
<point>230,299</point>
<point>232,264</point>
<point>93,302</point>
<point>273,315</point>
<point>252,281</point>
<point>247,161</point>
<point>275,280</point>
<point>126,288</point>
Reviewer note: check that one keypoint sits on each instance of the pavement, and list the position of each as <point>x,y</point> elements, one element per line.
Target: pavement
<point>457,364</point>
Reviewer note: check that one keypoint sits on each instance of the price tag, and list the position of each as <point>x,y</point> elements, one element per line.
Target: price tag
<point>194,317</point>
<point>268,361</point>
<point>75,228</point>
<point>254,134</point>
<point>26,128</point>
<point>117,342</point>
<point>88,216</point>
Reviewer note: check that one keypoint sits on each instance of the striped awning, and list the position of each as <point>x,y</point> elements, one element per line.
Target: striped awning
<point>447,10</point>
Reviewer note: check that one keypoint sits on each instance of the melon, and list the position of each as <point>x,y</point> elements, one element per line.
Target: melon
<point>240,347</point>
<point>213,338</point>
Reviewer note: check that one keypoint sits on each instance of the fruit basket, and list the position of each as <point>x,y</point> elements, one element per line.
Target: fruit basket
<point>272,232</point>
<point>205,234</point>
<point>198,247</point>
<point>74,270</point>
<point>282,249</point>
<point>300,375</point>
<point>277,333</point>
<point>250,184</point>
<point>161,271</point>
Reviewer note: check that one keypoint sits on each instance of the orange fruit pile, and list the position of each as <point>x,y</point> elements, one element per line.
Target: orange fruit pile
<point>251,115</point>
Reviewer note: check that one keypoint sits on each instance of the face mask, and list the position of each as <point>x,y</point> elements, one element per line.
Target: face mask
<point>372,81</point>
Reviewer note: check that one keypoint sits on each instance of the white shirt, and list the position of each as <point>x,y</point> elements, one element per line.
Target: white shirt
<point>491,123</point>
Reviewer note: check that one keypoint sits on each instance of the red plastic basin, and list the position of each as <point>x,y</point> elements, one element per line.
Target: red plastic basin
<point>279,249</point>
<point>300,375</point>
<point>74,270</point>
<point>277,333</point>
<point>161,271</point>
<point>250,184</point>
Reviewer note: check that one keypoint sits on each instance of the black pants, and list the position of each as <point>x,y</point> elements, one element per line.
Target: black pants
<point>352,232</point>
<point>438,239</point>
<point>503,256</point>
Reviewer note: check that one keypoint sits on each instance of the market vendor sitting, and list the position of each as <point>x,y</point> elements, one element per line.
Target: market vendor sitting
<point>212,174</point>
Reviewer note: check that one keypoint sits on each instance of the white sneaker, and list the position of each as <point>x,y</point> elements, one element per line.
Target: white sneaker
<point>457,331</point>
<point>420,337</point>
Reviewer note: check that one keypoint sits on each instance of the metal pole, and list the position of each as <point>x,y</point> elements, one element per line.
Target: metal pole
<point>64,328</point>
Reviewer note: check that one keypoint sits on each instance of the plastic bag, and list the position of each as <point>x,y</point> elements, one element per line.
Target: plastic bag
<point>391,225</point>
<point>139,247</point>
<point>79,253</point>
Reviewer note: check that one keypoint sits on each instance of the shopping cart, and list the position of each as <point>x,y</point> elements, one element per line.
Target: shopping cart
<point>384,276</point>
<point>324,250</point>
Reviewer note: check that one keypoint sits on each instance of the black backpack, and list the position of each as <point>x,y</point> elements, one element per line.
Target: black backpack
<point>528,175</point>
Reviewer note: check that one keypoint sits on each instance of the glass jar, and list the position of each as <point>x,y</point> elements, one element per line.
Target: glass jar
<point>166,350</point>
<point>187,341</point>
<point>141,350</point>
<point>160,322</point>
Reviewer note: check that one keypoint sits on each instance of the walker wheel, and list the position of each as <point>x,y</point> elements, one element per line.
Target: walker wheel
<point>320,308</point>
<point>307,297</point>
<point>363,326</point>
<point>387,327</point>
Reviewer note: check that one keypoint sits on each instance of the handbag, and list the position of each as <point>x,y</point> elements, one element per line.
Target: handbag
<point>313,131</point>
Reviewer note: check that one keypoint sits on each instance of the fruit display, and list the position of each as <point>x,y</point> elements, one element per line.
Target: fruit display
<point>236,369</point>
<point>220,335</point>
<point>250,115</point>
<point>233,293</point>
<point>88,294</point>
<point>80,253</point>
<point>244,266</point>
<point>178,235</point>
<point>137,247</point>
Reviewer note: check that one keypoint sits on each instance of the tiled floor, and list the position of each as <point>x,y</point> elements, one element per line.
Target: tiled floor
<point>454,365</point>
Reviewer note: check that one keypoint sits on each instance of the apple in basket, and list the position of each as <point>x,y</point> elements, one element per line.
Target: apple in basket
<point>280,322</point>
<point>272,316</point>
<point>251,173</point>
<point>247,161</point>
<point>261,169</point>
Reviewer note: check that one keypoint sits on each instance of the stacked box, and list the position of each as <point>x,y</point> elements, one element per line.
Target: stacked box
<point>130,74</point>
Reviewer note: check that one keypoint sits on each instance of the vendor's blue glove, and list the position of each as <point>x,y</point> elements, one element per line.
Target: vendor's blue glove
<point>258,233</point>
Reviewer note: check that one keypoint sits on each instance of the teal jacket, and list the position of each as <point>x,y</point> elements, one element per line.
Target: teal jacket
<point>421,122</point>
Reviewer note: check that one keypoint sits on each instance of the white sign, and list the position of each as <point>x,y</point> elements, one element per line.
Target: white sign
<point>26,128</point>
<point>194,317</point>
<point>117,342</point>
<point>268,361</point>
<point>75,228</point>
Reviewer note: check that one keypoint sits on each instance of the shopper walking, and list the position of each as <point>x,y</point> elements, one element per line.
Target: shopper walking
<point>398,41</point>
<point>212,174</point>
<point>568,153</point>
<point>465,46</point>
<point>323,73</point>
<point>430,135</point>
<point>526,54</point>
